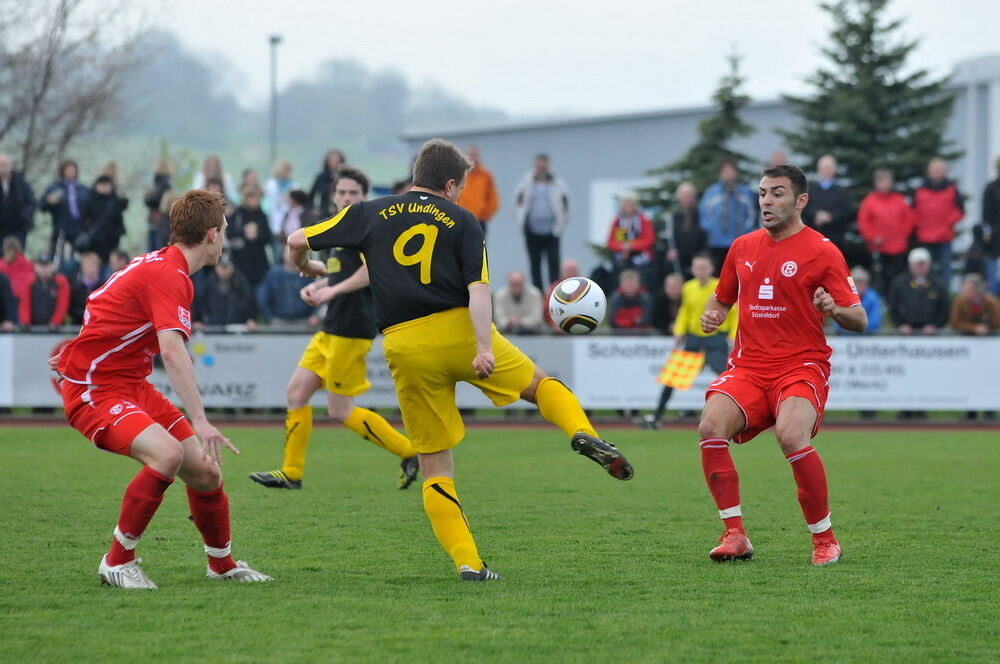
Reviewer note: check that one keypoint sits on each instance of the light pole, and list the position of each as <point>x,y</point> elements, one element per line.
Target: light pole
<point>275,40</point>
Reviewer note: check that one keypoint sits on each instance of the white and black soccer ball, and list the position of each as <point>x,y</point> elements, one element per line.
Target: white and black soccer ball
<point>577,305</point>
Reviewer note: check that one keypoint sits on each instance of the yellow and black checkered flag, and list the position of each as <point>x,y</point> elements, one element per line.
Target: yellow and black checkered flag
<point>682,367</point>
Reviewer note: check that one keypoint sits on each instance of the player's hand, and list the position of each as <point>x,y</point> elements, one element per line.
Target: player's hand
<point>483,364</point>
<point>823,302</point>
<point>211,440</point>
<point>313,268</point>
<point>305,293</point>
<point>711,320</point>
<point>54,361</point>
<point>320,295</point>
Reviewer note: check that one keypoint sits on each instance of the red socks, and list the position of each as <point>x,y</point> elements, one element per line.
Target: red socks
<point>142,497</point>
<point>723,481</point>
<point>810,476</point>
<point>210,512</point>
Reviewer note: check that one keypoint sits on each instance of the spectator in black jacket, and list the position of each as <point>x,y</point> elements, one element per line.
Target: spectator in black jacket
<point>321,194</point>
<point>65,199</point>
<point>991,231</point>
<point>84,283</point>
<point>686,236</point>
<point>667,303</point>
<point>250,238</point>
<point>17,202</point>
<point>225,298</point>
<point>103,223</point>
<point>8,305</point>
<point>162,173</point>
<point>829,210</point>
<point>918,301</point>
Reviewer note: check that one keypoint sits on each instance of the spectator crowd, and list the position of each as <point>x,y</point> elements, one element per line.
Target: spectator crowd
<point>898,242</point>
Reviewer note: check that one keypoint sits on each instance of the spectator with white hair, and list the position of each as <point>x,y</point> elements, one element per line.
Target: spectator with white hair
<point>685,236</point>
<point>829,207</point>
<point>938,207</point>
<point>517,308</point>
<point>918,301</point>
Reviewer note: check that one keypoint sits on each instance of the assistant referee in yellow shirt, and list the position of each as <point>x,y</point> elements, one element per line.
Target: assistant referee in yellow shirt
<point>687,328</point>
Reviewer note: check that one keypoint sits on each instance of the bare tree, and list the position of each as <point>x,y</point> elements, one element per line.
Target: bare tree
<point>62,69</point>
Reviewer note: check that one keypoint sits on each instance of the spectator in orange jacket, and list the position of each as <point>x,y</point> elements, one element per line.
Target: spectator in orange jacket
<point>631,236</point>
<point>45,300</point>
<point>480,194</point>
<point>885,221</point>
<point>975,311</point>
<point>938,207</point>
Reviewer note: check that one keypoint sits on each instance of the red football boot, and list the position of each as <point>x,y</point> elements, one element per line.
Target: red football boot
<point>735,545</point>
<point>826,548</point>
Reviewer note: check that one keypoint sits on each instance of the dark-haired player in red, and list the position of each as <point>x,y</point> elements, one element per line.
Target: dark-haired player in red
<point>144,310</point>
<point>787,278</point>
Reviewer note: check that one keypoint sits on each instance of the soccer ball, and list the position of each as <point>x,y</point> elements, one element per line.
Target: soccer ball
<point>577,305</point>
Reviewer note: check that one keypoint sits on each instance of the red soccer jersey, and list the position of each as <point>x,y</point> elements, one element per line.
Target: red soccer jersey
<point>774,283</point>
<point>118,340</point>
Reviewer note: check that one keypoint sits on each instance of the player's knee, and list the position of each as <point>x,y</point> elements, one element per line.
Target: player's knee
<point>791,437</point>
<point>712,426</point>
<point>296,397</point>
<point>207,477</point>
<point>167,458</point>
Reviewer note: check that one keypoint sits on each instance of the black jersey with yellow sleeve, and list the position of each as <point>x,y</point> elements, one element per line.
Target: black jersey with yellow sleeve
<point>350,315</point>
<point>422,251</point>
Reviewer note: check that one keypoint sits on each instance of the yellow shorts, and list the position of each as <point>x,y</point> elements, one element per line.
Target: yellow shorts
<point>339,361</point>
<point>427,356</point>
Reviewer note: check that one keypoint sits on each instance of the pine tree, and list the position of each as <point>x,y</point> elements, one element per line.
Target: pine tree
<point>866,110</point>
<point>700,164</point>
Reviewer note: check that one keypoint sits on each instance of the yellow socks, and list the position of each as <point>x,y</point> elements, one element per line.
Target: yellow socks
<point>560,406</point>
<point>449,523</point>
<point>372,426</point>
<point>298,430</point>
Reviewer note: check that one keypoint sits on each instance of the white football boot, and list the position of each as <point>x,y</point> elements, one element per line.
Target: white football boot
<point>129,575</point>
<point>242,572</point>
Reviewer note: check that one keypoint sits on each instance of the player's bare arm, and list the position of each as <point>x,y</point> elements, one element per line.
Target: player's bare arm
<point>180,371</point>
<point>481,312</point>
<point>714,315</point>
<point>298,251</point>
<point>850,318</point>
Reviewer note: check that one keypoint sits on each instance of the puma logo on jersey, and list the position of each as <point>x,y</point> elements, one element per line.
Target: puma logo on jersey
<point>750,265</point>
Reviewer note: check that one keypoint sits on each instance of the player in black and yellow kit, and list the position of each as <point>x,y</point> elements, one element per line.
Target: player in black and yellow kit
<point>427,264</point>
<point>335,359</point>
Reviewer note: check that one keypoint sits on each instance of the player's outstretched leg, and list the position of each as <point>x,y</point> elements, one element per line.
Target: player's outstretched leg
<point>161,455</point>
<point>794,427</point>
<point>448,520</point>
<point>720,419</point>
<point>559,405</point>
<point>375,429</point>
<point>210,512</point>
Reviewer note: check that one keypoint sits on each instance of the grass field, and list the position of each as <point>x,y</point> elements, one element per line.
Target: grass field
<point>595,569</point>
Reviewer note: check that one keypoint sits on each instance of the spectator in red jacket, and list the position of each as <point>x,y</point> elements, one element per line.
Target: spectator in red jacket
<point>631,237</point>
<point>631,307</point>
<point>938,207</point>
<point>885,221</point>
<point>15,265</point>
<point>45,300</point>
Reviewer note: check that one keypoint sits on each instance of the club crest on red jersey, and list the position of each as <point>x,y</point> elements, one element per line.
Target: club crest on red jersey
<point>789,268</point>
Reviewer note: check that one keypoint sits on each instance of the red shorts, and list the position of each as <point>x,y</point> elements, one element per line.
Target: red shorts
<point>111,416</point>
<point>759,395</point>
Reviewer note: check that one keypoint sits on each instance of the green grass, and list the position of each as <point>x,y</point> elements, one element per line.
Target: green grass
<point>595,569</point>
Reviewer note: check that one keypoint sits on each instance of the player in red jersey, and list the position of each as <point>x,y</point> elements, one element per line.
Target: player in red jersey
<point>787,278</point>
<point>144,310</point>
